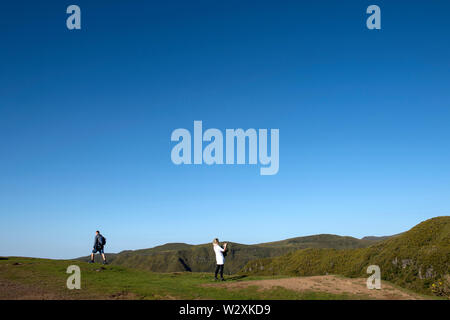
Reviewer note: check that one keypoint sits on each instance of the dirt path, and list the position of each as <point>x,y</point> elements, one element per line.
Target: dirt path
<point>16,291</point>
<point>329,284</point>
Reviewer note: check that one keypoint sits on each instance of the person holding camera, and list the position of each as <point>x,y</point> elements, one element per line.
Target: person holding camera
<point>220,258</point>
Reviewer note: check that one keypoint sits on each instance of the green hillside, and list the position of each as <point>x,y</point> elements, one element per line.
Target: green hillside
<point>179,257</point>
<point>418,259</point>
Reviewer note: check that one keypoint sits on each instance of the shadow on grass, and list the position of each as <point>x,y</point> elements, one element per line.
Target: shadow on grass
<point>3,258</point>
<point>237,277</point>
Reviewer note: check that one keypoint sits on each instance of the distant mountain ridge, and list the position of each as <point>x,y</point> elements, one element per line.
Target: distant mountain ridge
<point>376,238</point>
<point>178,257</point>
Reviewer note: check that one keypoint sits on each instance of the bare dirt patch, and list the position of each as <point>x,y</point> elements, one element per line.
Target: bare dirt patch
<point>16,291</point>
<point>330,284</point>
<point>13,290</point>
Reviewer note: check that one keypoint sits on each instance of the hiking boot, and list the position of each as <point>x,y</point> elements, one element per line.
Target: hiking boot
<point>222,279</point>
<point>104,262</point>
<point>91,261</point>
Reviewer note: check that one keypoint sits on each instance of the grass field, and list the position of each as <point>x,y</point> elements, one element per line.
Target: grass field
<point>28,278</point>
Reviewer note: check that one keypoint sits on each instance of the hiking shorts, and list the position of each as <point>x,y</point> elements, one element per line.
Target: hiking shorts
<point>99,250</point>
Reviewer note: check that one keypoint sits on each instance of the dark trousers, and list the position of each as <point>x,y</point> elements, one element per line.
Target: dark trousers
<point>219,269</point>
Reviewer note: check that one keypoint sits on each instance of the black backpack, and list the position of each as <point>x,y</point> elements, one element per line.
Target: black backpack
<point>102,240</point>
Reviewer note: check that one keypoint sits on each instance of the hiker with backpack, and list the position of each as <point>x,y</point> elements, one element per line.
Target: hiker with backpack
<point>99,245</point>
<point>220,258</point>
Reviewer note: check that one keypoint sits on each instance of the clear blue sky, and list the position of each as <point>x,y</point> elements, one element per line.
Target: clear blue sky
<point>86,118</point>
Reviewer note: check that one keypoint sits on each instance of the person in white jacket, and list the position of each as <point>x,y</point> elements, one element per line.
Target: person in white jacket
<point>220,259</point>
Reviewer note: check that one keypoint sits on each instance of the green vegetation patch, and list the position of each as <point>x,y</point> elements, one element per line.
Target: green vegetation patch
<point>418,260</point>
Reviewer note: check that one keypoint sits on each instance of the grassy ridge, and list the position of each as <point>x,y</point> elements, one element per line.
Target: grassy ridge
<point>178,257</point>
<point>42,277</point>
<point>418,259</point>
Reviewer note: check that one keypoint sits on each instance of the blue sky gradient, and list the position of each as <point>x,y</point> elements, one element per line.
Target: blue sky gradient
<point>86,118</point>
